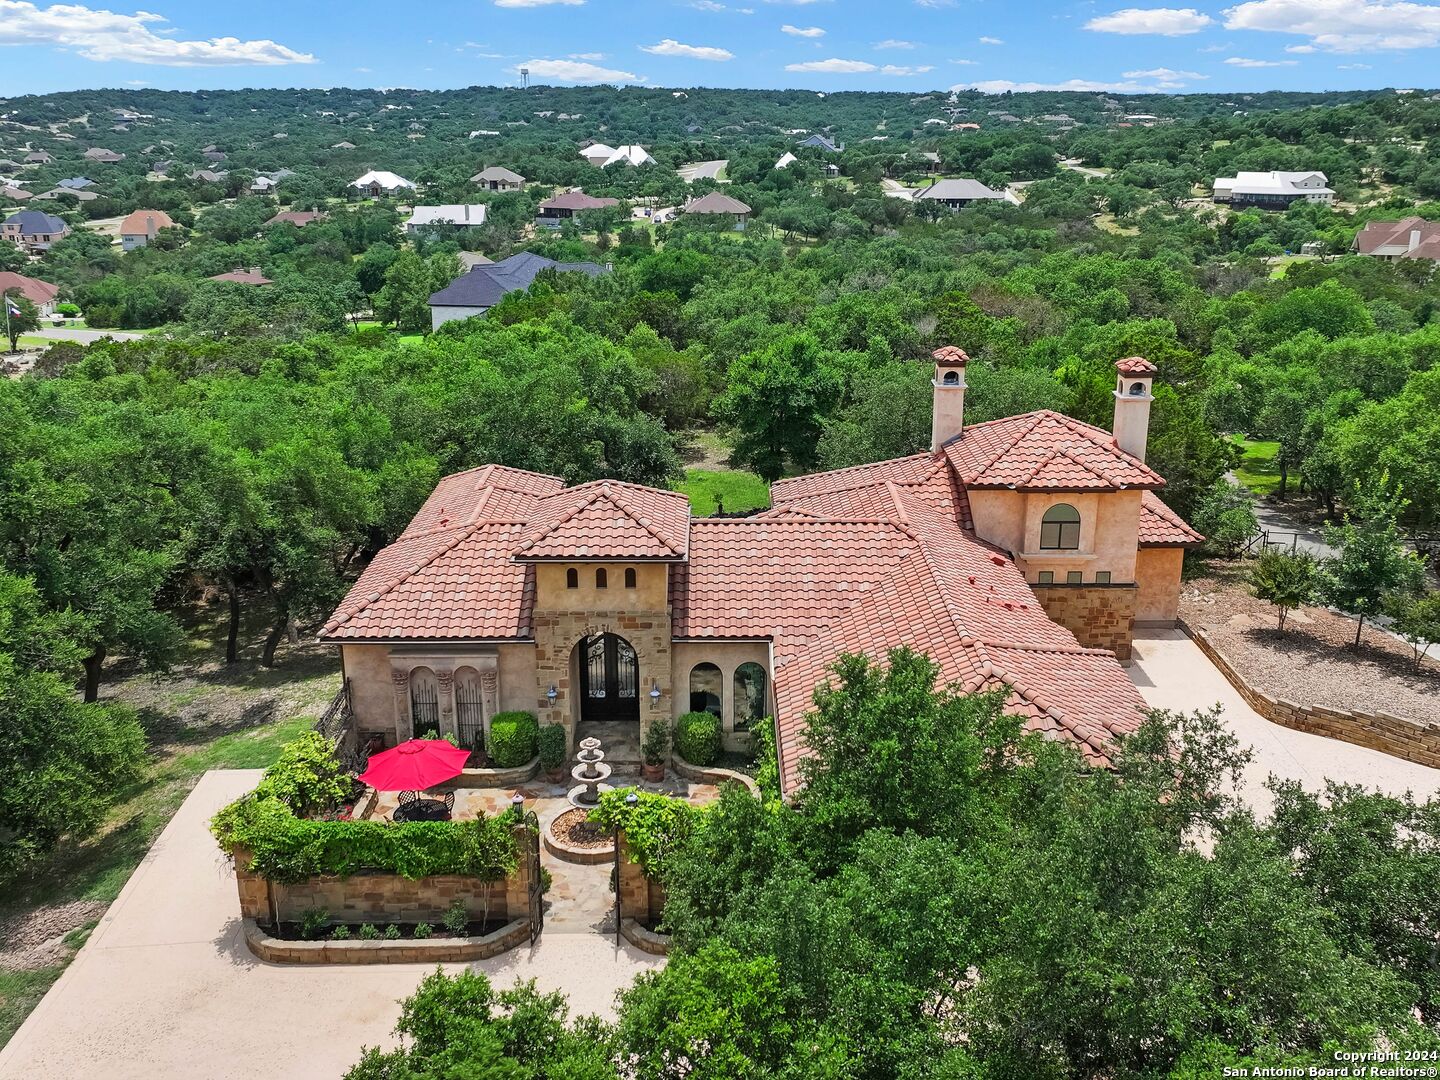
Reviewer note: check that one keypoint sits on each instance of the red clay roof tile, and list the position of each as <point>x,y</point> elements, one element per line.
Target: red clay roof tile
<point>1045,451</point>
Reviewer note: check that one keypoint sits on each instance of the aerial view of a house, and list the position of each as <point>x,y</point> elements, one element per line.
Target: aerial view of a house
<point>33,230</point>
<point>377,183</point>
<point>1391,241</point>
<point>1272,190</point>
<point>483,286</point>
<point>140,227</point>
<point>498,178</point>
<point>558,208</point>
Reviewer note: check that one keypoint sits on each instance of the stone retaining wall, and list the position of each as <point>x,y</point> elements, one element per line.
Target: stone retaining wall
<point>1390,734</point>
<point>408,951</point>
<point>703,774</point>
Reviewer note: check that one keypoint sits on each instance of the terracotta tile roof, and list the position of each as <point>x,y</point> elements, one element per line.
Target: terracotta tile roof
<point>145,223</point>
<point>489,493</point>
<point>950,354</point>
<point>969,608</point>
<point>1135,365</point>
<point>864,491</point>
<point>33,289</point>
<point>458,584</point>
<point>607,519</point>
<point>1162,527</point>
<point>1045,451</point>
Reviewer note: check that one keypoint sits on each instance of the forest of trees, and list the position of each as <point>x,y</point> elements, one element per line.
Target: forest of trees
<point>265,443</point>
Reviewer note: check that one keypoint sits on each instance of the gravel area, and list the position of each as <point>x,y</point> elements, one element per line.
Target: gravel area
<point>1312,661</point>
<point>36,939</point>
<point>571,829</point>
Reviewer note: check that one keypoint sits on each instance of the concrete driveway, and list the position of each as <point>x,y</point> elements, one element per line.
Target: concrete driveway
<point>165,987</point>
<point>1171,672</point>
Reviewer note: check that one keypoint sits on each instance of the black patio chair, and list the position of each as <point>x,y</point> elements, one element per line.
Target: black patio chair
<point>449,800</point>
<point>409,798</point>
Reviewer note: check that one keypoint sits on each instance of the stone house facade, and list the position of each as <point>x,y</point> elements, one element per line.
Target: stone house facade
<point>1019,554</point>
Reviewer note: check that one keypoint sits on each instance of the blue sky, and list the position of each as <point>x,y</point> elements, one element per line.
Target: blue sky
<point>906,45</point>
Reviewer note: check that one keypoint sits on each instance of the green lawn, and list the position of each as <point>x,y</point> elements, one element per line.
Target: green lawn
<point>706,488</point>
<point>1280,265</point>
<point>1257,469</point>
<point>202,715</point>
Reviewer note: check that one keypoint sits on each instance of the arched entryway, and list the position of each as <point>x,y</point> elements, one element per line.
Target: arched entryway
<point>609,679</point>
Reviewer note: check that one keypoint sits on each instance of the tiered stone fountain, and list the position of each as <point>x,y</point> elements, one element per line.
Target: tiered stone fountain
<point>590,772</point>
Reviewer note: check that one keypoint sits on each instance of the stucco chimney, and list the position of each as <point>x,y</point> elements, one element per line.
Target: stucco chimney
<point>947,412</point>
<point>1132,404</point>
<point>1414,240</point>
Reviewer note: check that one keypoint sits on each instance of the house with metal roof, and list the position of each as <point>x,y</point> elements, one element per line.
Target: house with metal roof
<point>376,183</point>
<point>1018,554</point>
<point>1272,190</point>
<point>484,285</point>
<point>452,216</point>
<point>821,142</point>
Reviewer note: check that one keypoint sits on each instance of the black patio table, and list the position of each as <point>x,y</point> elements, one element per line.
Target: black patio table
<point>422,810</point>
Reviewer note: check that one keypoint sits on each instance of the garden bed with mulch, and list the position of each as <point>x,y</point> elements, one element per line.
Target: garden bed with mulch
<point>573,830</point>
<point>1313,662</point>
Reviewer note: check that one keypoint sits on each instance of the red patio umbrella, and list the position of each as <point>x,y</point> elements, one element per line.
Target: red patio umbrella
<point>414,765</point>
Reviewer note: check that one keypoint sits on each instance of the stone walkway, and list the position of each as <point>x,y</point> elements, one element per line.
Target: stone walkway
<point>165,988</point>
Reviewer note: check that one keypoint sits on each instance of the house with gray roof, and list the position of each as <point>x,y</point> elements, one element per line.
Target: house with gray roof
<point>483,286</point>
<point>820,142</point>
<point>955,194</point>
<point>498,178</point>
<point>33,230</point>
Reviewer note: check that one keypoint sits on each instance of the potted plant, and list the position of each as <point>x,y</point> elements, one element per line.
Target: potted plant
<point>552,752</point>
<point>655,751</point>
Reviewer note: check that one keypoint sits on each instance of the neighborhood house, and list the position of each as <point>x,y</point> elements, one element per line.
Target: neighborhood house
<point>457,215</point>
<point>1018,553</point>
<point>496,178</point>
<point>1272,190</point>
<point>375,184</point>
<point>481,287</point>
<point>556,210</point>
<point>33,230</point>
<point>140,228</point>
<point>1391,241</point>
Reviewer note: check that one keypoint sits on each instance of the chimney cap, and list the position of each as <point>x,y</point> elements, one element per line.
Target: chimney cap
<point>950,354</point>
<point>1135,365</point>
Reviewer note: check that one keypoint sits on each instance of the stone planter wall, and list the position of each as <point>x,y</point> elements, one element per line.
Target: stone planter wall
<point>1390,734</point>
<point>704,774</point>
<point>488,778</point>
<point>426,951</point>
<point>383,897</point>
<point>641,901</point>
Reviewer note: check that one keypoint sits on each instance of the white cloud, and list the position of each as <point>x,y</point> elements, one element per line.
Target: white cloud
<point>834,66</point>
<point>894,43</point>
<point>1343,26</point>
<point>671,47</point>
<point>1002,86</point>
<point>1165,73</point>
<point>1300,48</point>
<point>707,5</point>
<point>534,3</point>
<point>587,56</point>
<point>896,69</point>
<point>1353,67</point>
<point>1246,62</point>
<point>934,3</point>
<point>966,63</point>
<point>991,41</point>
<point>577,71</point>
<point>802,31</point>
<point>1167,22</point>
<point>108,35</point>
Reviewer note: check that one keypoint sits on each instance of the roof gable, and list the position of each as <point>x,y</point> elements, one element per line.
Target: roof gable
<point>608,519</point>
<point>1045,451</point>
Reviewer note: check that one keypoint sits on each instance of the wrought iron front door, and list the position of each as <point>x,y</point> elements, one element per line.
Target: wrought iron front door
<point>609,679</point>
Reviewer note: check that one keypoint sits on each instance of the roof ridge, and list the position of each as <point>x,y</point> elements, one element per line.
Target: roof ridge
<point>639,518</point>
<point>1026,429</point>
<point>850,469</point>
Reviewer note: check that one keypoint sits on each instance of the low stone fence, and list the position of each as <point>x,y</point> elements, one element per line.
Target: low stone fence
<point>1390,734</point>
<point>488,778</point>
<point>703,774</point>
<point>411,951</point>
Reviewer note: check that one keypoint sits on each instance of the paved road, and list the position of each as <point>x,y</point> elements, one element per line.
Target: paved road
<point>165,988</point>
<point>701,170</point>
<point>73,333</point>
<point>1286,531</point>
<point>1172,673</point>
<point>896,190</point>
<point>1074,165</point>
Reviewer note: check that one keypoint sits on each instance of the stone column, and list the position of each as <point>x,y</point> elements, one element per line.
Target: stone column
<point>445,679</point>
<point>489,699</point>
<point>404,725</point>
<point>633,888</point>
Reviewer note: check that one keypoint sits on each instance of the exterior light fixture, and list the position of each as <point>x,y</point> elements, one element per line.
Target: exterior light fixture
<point>552,693</point>
<point>655,692</point>
<point>631,801</point>
<point>518,802</point>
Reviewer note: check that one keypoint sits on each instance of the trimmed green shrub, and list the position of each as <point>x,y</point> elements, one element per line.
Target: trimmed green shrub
<point>392,932</point>
<point>697,737</point>
<point>421,930</point>
<point>552,746</point>
<point>306,776</point>
<point>312,922</point>
<point>456,919</point>
<point>657,743</point>
<point>285,848</point>
<point>513,738</point>
<point>368,932</point>
<point>340,933</point>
